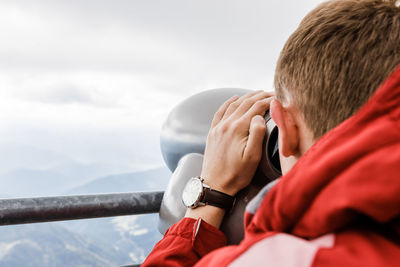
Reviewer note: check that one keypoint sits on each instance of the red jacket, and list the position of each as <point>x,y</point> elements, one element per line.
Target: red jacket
<point>338,206</point>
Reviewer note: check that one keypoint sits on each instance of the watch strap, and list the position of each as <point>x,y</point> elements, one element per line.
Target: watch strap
<point>218,199</point>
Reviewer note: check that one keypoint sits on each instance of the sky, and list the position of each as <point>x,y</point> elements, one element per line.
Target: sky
<point>95,80</point>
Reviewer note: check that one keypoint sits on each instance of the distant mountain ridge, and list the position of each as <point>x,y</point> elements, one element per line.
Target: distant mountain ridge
<point>30,171</point>
<point>17,156</point>
<point>150,180</point>
<point>95,242</point>
<point>30,182</point>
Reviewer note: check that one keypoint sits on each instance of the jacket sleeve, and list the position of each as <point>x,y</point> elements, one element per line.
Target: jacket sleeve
<point>185,243</point>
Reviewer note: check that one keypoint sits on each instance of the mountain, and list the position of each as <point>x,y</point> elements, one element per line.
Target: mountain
<point>132,236</point>
<point>33,183</point>
<point>126,233</point>
<point>20,156</point>
<point>27,171</point>
<point>110,241</point>
<point>150,180</point>
<point>49,244</point>
<point>30,182</point>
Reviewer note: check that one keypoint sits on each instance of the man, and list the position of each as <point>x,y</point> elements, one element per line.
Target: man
<point>337,108</point>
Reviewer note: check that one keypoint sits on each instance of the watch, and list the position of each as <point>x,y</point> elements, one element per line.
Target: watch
<point>196,193</point>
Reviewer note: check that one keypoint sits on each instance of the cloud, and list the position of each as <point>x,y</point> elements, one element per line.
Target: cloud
<point>162,36</point>
<point>106,66</point>
<point>64,94</point>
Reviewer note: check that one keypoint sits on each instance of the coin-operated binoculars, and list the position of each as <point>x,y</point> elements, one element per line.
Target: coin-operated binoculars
<point>183,140</point>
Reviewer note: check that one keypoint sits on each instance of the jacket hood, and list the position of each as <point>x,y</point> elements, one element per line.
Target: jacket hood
<point>351,172</point>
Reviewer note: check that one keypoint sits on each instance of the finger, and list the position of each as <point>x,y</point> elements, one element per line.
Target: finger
<point>248,103</point>
<point>233,106</point>
<point>222,109</point>
<point>258,108</point>
<point>254,147</point>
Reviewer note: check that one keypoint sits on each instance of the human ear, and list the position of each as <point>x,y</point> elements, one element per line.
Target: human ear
<point>288,131</point>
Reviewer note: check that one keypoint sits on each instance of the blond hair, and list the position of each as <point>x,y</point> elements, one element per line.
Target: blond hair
<point>336,59</point>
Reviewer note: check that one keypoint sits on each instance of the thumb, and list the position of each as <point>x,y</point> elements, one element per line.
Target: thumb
<point>256,136</point>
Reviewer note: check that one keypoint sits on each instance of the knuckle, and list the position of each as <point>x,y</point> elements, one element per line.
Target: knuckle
<point>234,105</point>
<point>248,102</point>
<point>227,102</point>
<point>217,114</point>
<point>223,128</point>
<point>238,124</point>
<point>267,94</point>
<point>211,133</point>
<point>259,96</point>
<point>230,109</point>
<point>261,103</point>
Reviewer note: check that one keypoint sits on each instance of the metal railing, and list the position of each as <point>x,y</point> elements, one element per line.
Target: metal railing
<point>61,208</point>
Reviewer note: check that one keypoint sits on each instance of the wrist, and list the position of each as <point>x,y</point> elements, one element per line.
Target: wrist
<point>211,181</point>
<point>211,214</point>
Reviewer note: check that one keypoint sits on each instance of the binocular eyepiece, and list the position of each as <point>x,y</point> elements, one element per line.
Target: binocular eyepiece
<point>270,164</point>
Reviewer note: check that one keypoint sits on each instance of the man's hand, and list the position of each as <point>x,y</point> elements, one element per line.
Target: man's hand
<point>233,149</point>
<point>234,143</point>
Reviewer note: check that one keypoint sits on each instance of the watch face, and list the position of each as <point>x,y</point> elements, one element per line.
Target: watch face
<point>192,192</point>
